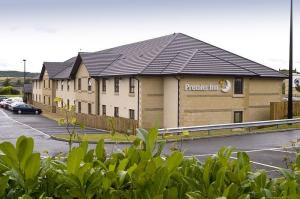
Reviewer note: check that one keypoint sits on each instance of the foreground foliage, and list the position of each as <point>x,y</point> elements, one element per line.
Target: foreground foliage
<point>139,171</point>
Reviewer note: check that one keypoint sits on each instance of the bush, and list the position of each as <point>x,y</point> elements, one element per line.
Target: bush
<point>139,171</point>
<point>9,90</point>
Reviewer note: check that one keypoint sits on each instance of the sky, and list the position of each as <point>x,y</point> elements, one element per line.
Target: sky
<point>55,30</point>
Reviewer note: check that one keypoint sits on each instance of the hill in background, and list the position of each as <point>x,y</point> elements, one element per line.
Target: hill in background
<point>16,74</point>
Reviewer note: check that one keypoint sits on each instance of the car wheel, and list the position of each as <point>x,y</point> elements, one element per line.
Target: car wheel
<point>37,112</point>
<point>19,111</point>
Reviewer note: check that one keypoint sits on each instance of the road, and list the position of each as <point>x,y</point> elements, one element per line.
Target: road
<point>265,150</point>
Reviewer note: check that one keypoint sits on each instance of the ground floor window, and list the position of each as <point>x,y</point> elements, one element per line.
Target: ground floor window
<point>131,114</point>
<point>49,101</point>
<point>79,107</point>
<point>103,109</point>
<point>238,116</point>
<point>116,112</point>
<point>44,99</point>
<point>89,108</point>
<point>68,104</point>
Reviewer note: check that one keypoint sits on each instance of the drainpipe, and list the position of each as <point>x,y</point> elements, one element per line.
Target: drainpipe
<point>138,106</point>
<point>178,98</point>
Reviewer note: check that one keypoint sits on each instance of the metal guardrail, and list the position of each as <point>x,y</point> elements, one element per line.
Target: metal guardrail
<point>228,126</point>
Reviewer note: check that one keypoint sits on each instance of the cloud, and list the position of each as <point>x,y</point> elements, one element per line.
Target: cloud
<point>44,29</point>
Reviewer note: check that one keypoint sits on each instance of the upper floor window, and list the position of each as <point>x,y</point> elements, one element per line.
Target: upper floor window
<point>238,85</point>
<point>44,85</point>
<point>56,84</point>
<point>89,84</point>
<point>49,83</point>
<point>117,84</point>
<point>62,85</point>
<point>131,85</point>
<point>79,84</point>
<point>104,85</point>
<point>68,85</point>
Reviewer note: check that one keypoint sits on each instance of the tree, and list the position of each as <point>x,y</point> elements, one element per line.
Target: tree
<point>6,82</point>
<point>18,83</point>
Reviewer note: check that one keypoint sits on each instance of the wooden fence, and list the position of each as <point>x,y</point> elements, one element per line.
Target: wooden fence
<point>122,125</point>
<point>278,110</point>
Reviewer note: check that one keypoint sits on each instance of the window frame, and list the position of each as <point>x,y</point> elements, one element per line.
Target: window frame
<point>104,109</point>
<point>131,85</point>
<point>117,84</point>
<point>89,108</point>
<point>238,89</point>
<point>62,85</point>
<point>236,117</point>
<point>131,114</point>
<point>116,112</point>
<point>79,107</point>
<point>79,84</point>
<point>68,85</point>
<point>103,85</point>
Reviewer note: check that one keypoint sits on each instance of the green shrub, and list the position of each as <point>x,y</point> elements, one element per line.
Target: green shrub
<point>9,90</point>
<point>139,172</point>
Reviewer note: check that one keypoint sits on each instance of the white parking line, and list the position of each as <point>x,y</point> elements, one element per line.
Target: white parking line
<point>46,135</point>
<point>284,151</point>
<point>249,151</point>
<point>258,163</point>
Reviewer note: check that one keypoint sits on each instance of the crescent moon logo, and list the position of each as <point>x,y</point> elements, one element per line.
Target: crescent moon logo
<point>225,86</point>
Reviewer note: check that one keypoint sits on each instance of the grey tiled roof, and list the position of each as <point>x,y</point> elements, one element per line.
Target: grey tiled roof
<point>37,77</point>
<point>171,54</point>
<point>59,70</point>
<point>27,88</point>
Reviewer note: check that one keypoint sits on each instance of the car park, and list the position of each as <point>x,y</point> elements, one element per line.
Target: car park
<point>26,109</point>
<point>2,98</point>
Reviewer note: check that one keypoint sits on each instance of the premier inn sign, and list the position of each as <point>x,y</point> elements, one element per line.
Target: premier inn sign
<point>224,86</point>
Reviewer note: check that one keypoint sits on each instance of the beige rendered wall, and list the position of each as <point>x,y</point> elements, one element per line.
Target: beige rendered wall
<point>37,91</point>
<point>65,94</point>
<point>261,93</point>
<point>47,90</point>
<point>170,113</point>
<point>151,102</point>
<point>123,99</point>
<point>84,96</point>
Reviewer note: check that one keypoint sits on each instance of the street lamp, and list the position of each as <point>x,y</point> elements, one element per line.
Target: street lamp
<point>290,94</point>
<point>24,61</point>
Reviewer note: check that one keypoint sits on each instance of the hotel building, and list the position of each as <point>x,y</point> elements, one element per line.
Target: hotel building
<point>170,81</point>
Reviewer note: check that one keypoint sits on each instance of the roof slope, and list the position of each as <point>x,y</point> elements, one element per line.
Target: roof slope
<point>171,54</point>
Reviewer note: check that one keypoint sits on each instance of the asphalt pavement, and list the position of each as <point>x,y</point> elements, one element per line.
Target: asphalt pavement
<point>266,150</point>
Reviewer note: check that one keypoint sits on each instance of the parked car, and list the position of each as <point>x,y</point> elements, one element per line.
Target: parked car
<point>26,109</point>
<point>2,98</point>
<point>10,106</point>
<point>6,102</point>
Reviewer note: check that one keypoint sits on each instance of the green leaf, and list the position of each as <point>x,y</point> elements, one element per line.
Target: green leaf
<point>24,147</point>
<point>100,150</point>
<point>8,149</point>
<point>32,166</point>
<point>174,160</point>
<point>74,159</point>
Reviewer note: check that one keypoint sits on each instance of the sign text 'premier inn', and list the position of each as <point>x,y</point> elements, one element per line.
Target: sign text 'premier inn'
<point>224,86</point>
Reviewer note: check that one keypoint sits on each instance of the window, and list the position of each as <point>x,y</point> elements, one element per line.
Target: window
<point>44,99</point>
<point>68,104</point>
<point>74,85</point>
<point>103,109</point>
<point>44,84</point>
<point>39,98</point>
<point>117,84</point>
<point>49,83</point>
<point>36,84</point>
<point>68,85</point>
<point>89,108</point>
<point>104,85</point>
<point>238,85</point>
<point>62,85</point>
<point>49,101</point>
<point>79,84</point>
<point>79,107</point>
<point>56,84</point>
<point>238,116</point>
<point>62,103</point>
<point>89,84</point>
<point>116,112</point>
<point>131,114</point>
<point>131,85</point>
<point>39,85</point>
